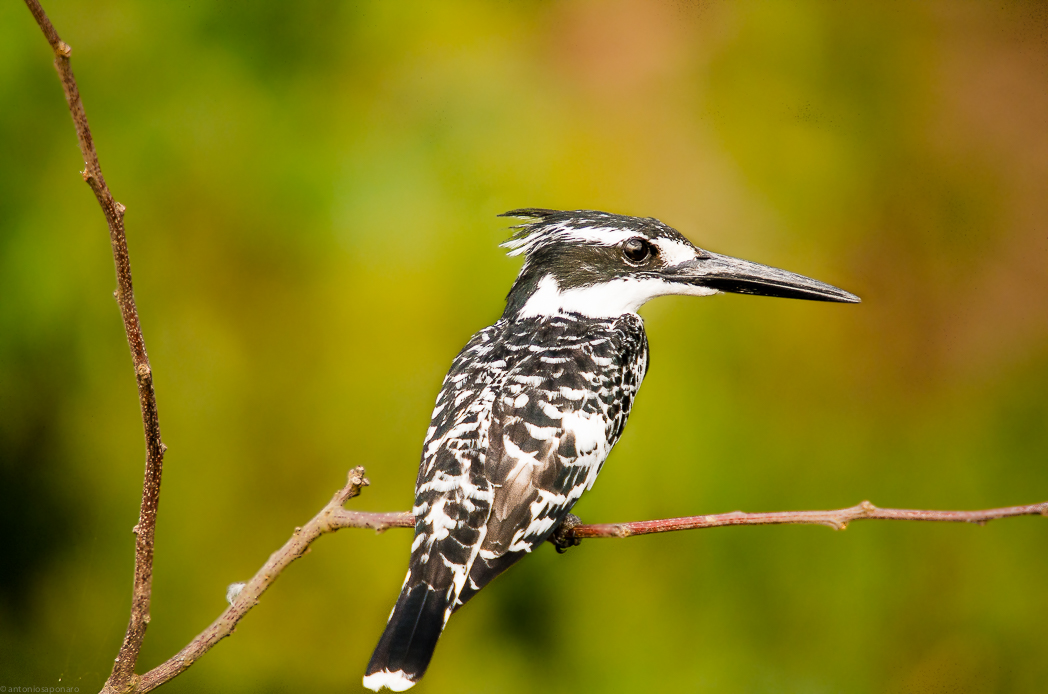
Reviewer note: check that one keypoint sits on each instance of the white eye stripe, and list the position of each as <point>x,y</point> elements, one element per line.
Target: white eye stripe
<point>602,235</point>
<point>605,236</point>
<point>673,251</point>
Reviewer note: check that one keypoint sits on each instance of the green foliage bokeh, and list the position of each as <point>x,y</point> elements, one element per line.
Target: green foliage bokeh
<point>312,190</point>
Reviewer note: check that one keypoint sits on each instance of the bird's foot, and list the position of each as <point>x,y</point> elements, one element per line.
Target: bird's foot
<point>562,536</point>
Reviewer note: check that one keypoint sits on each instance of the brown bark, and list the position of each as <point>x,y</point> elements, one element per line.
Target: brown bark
<point>124,667</point>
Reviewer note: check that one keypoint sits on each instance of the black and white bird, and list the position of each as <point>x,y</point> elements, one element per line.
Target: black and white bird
<point>533,404</point>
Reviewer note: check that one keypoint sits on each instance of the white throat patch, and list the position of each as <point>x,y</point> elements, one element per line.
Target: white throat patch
<point>604,300</point>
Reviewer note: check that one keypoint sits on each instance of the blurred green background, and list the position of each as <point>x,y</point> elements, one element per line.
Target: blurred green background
<point>312,190</point>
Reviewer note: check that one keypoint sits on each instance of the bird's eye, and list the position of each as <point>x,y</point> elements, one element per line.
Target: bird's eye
<point>637,250</point>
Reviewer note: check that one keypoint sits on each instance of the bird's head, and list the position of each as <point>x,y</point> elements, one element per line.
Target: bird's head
<point>603,265</point>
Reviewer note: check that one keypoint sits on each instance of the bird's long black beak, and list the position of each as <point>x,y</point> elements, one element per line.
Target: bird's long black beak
<point>726,274</point>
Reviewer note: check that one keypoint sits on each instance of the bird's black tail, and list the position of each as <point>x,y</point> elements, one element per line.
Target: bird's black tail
<point>407,644</point>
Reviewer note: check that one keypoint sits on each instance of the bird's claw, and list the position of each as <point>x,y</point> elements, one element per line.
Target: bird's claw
<point>562,536</point>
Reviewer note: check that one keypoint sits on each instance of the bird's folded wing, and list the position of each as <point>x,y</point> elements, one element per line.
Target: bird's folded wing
<point>545,448</point>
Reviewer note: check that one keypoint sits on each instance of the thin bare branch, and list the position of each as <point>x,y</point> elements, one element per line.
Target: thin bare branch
<point>334,517</point>
<point>376,521</point>
<point>331,518</point>
<point>123,668</point>
<point>837,519</point>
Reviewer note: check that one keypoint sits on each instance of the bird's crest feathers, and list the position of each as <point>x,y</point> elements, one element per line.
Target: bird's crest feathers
<point>571,226</point>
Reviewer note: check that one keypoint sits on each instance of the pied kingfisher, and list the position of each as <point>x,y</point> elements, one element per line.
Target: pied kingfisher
<point>533,404</point>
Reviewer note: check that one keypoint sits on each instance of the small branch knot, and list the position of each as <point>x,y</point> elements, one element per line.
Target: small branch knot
<point>357,479</point>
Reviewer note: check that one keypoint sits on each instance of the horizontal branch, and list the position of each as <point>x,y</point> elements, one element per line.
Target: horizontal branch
<point>837,519</point>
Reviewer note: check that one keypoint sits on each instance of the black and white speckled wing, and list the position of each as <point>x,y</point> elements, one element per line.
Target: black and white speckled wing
<point>557,417</point>
<point>452,504</point>
<point>524,420</point>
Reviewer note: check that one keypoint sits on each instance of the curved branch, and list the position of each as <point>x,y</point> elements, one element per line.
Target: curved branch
<point>243,597</point>
<point>333,517</point>
<point>124,667</point>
